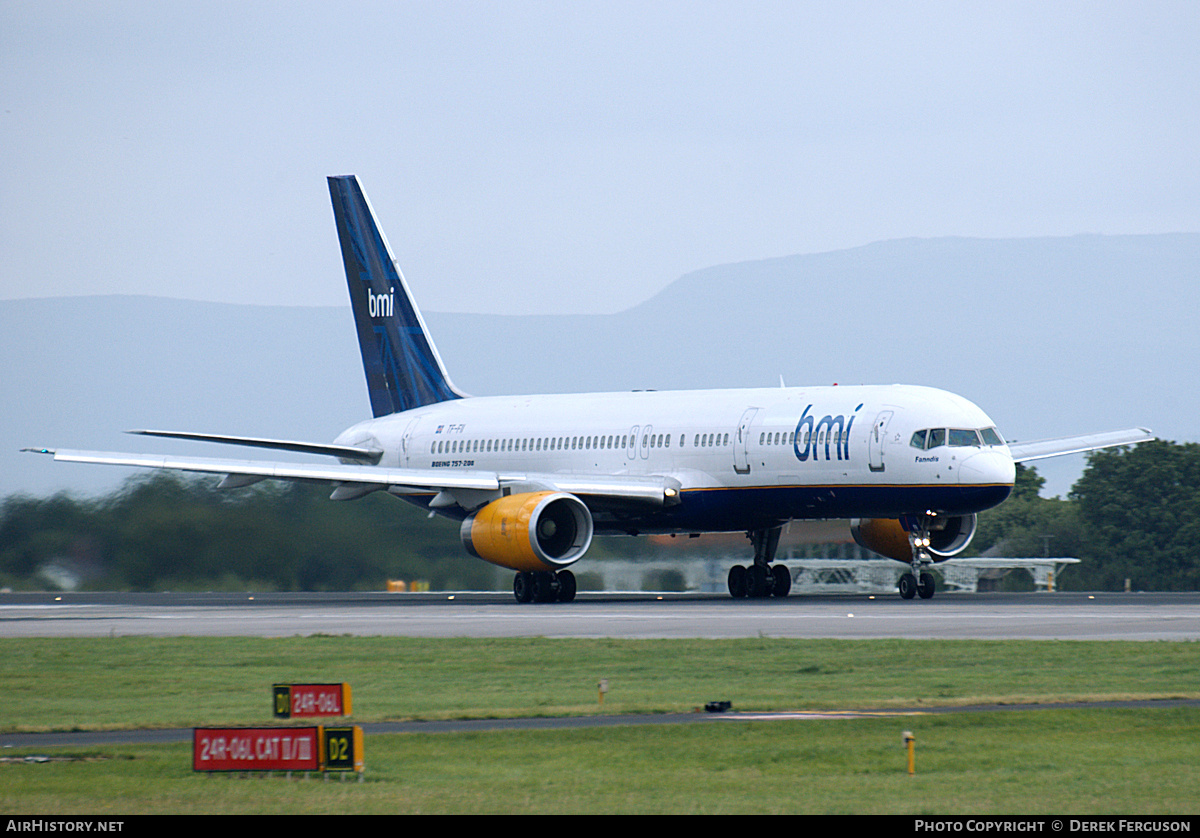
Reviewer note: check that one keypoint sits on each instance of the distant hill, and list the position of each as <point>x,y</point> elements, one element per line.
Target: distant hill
<point>1050,336</point>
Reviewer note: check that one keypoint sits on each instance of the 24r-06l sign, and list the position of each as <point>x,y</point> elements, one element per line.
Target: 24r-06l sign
<point>307,700</point>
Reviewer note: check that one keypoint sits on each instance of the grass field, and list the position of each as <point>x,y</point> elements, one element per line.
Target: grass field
<point>1043,761</point>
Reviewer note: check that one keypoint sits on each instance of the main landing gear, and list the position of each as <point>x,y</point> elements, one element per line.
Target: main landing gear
<point>544,586</point>
<point>761,579</point>
<point>918,582</point>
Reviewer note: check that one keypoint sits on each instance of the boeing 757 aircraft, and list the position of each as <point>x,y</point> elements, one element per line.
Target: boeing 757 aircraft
<point>532,478</point>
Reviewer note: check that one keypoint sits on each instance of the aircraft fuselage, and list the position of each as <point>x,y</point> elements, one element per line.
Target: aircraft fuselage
<point>744,459</point>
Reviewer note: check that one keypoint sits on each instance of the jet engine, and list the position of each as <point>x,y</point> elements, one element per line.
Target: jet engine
<point>529,532</point>
<point>949,535</point>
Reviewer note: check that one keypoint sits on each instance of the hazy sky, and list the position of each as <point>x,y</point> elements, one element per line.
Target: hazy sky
<point>571,156</point>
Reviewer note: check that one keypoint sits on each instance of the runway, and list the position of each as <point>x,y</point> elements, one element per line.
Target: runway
<point>1036,616</point>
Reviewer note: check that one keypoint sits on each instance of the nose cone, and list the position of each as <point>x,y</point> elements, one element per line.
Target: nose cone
<point>990,467</point>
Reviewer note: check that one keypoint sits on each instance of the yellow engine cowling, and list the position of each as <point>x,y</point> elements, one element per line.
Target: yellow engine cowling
<point>533,531</point>
<point>949,535</point>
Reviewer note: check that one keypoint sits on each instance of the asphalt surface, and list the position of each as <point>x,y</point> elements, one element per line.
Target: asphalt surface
<point>1058,616</point>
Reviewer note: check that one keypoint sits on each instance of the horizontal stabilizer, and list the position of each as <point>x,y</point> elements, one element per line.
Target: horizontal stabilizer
<point>346,452</point>
<point>1043,448</point>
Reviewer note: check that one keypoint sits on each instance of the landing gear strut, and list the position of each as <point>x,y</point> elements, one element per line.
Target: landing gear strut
<point>761,579</point>
<point>544,586</point>
<point>918,582</point>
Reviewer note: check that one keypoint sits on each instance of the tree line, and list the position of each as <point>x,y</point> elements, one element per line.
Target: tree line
<point>1133,514</point>
<point>164,531</point>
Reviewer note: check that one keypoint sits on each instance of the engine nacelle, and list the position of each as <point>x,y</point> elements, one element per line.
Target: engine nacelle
<point>949,535</point>
<point>532,531</point>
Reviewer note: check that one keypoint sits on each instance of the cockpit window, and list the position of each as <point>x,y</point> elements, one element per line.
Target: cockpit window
<point>957,437</point>
<point>963,438</point>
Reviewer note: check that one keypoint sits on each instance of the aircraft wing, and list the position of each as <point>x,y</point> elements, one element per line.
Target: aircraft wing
<point>1043,448</point>
<point>653,489</point>
<point>349,452</point>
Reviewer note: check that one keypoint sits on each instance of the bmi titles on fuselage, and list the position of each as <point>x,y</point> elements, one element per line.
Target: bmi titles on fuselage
<point>816,435</point>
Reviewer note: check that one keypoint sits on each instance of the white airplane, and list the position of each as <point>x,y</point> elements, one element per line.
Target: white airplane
<point>532,478</point>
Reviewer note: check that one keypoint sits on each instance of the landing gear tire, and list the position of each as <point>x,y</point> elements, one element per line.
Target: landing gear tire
<point>544,586</point>
<point>523,587</point>
<point>925,586</point>
<point>566,586</point>
<point>756,581</point>
<point>783,580</point>
<point>907,586</point>
<point>737,581</point>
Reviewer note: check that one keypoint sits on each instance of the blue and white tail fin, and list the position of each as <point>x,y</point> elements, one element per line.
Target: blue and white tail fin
<point>402,365</point>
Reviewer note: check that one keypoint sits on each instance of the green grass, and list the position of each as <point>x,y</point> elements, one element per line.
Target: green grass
<point>1032,761</point>
<point>98,683</point>
<point>1028,762</point>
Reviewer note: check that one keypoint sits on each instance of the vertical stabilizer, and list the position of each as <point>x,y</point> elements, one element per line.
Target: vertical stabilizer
<point>402,366</point>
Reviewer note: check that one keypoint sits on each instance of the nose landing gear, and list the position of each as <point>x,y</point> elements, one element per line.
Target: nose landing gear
<point>918,582</point>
